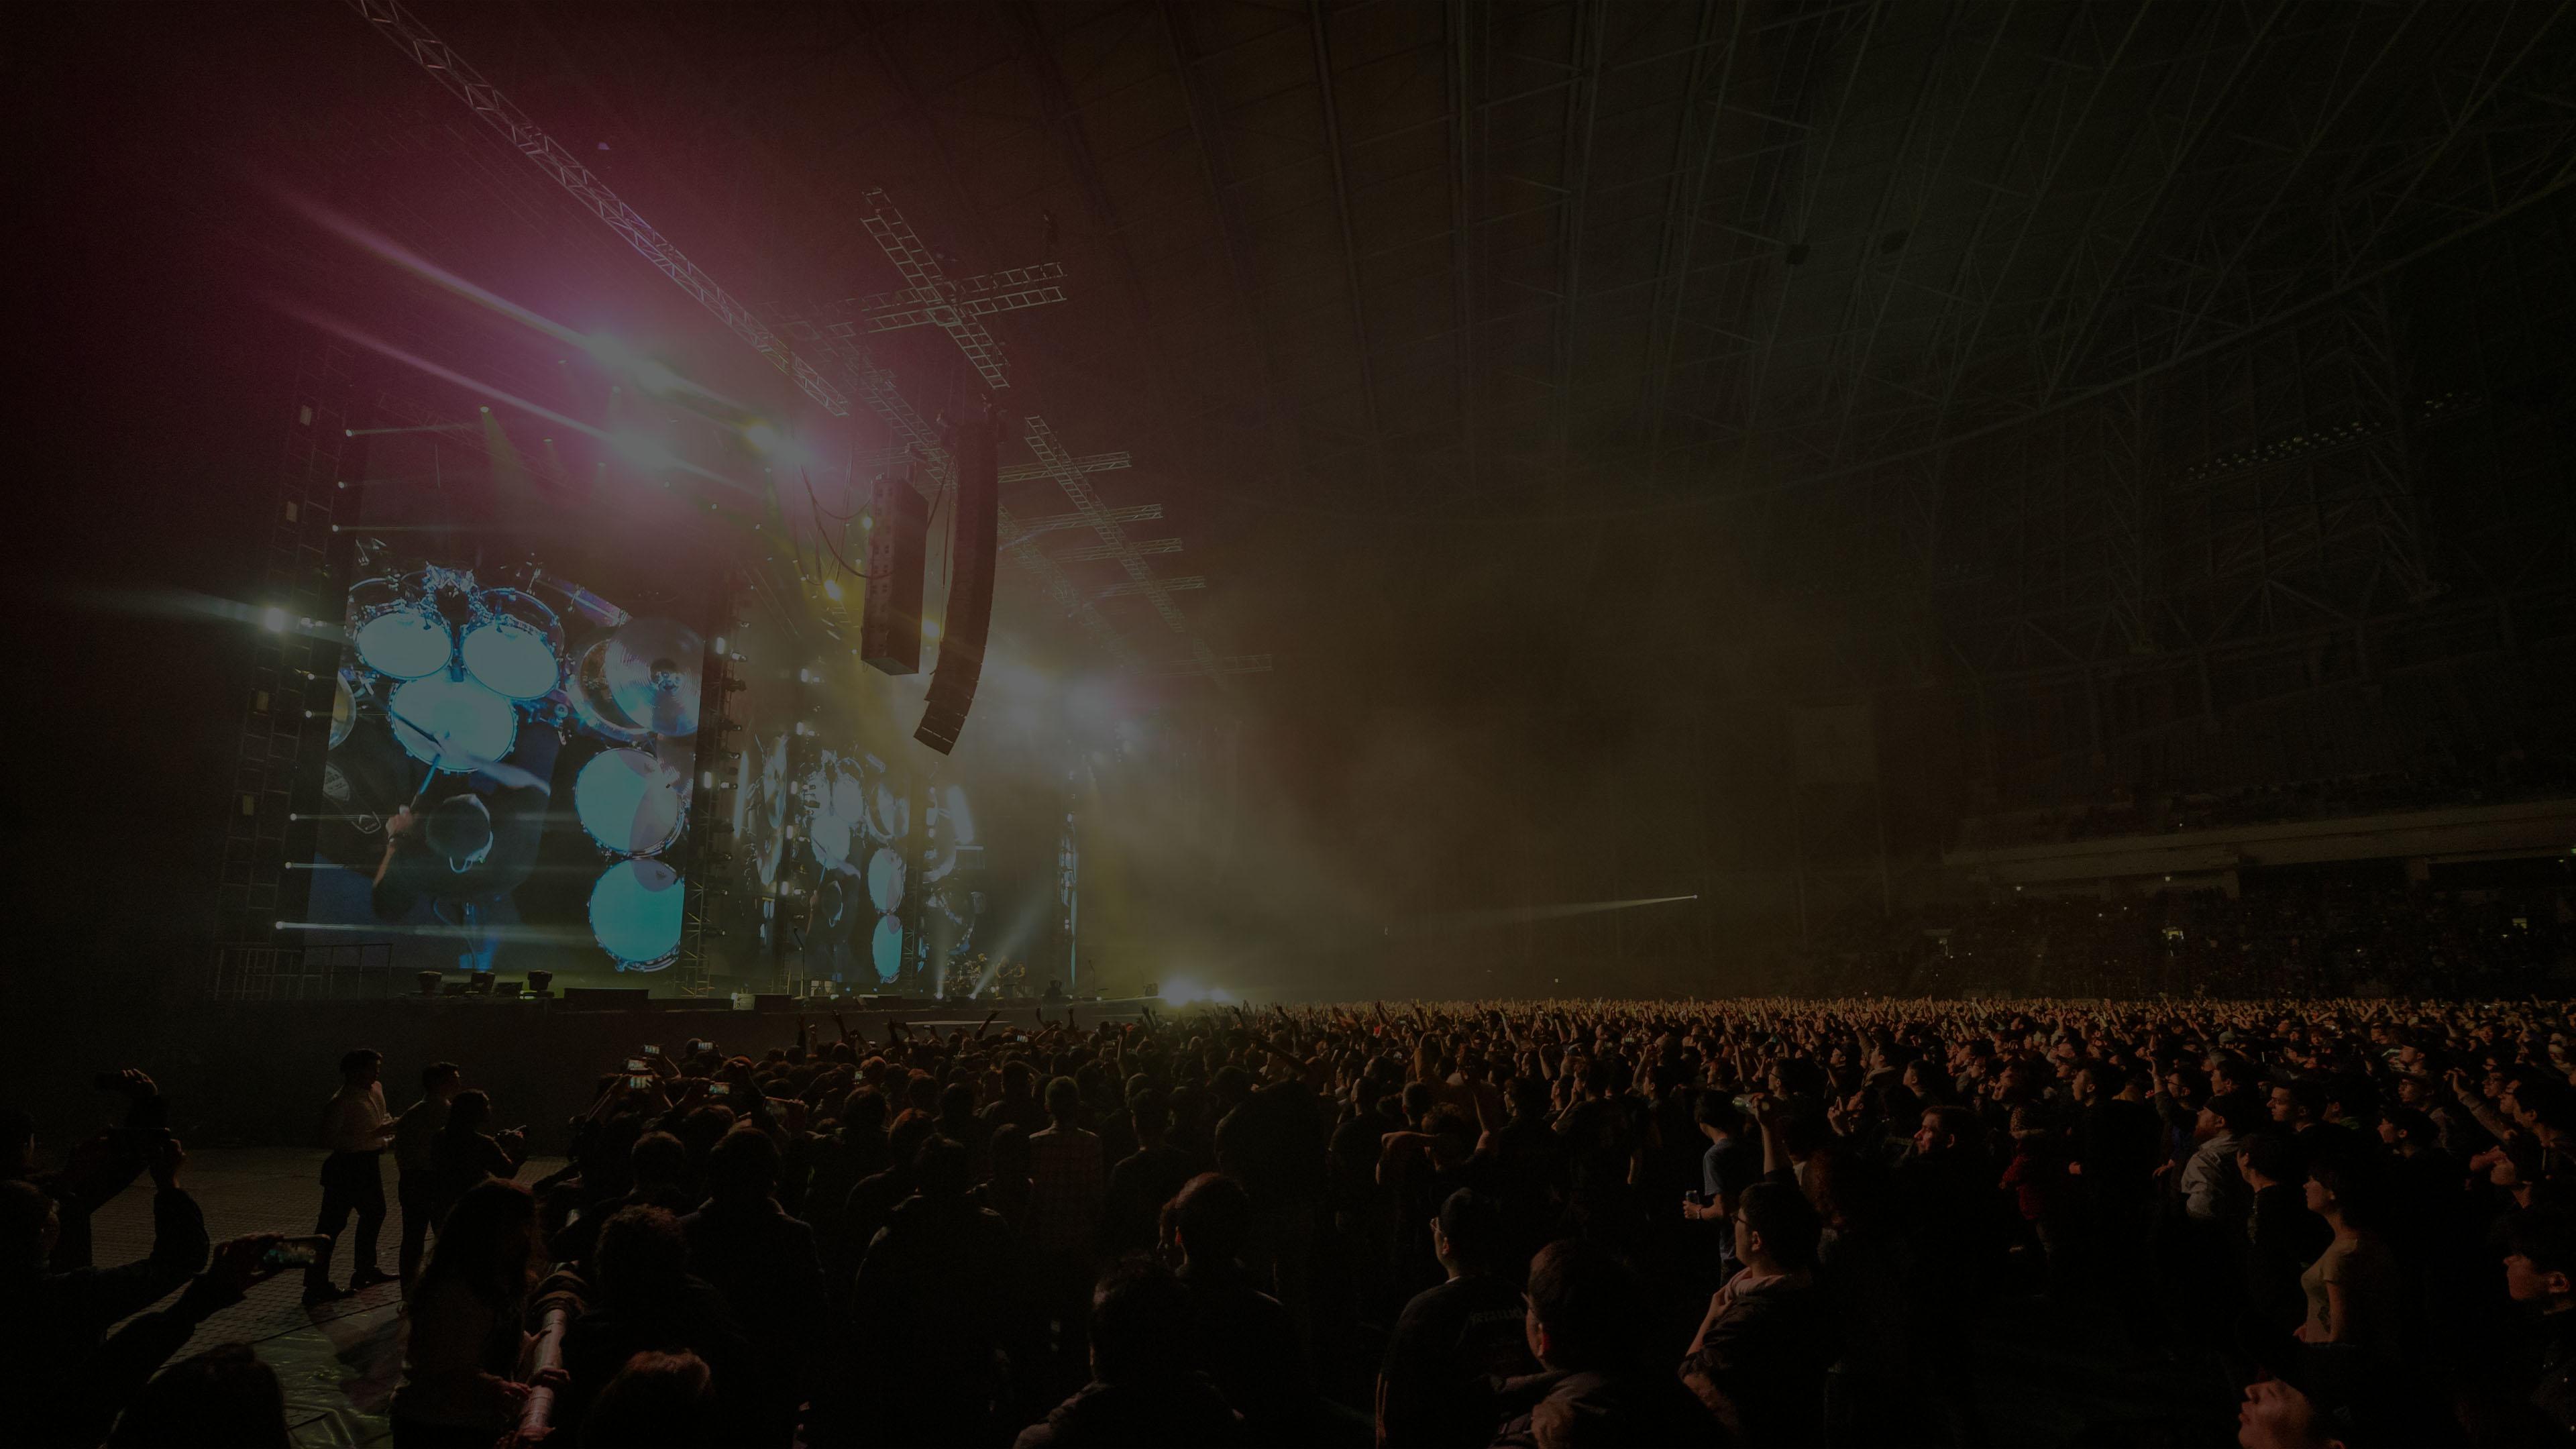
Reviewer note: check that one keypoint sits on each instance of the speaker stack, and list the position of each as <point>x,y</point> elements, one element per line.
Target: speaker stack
<point>974,551</point>
<point>898,544</point>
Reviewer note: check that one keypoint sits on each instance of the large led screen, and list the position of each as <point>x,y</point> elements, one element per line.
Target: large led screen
<point>512,765</point>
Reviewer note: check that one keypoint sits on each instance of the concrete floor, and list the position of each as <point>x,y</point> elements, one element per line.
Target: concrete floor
<point>338,1364</point>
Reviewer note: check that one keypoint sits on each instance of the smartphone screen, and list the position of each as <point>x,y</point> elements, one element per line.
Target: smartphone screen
<point>639,1084</point>
<point>294,1253</point>
<point>652,1049</point>
<point>720,1089</point>
<point>636,1064</point>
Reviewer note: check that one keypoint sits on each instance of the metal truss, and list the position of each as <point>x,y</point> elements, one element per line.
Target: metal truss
<point>930,299</point>
<point>295,661</point>
<point>441,63</point>
<point>2263,491</point>
<point>2236,198</point>
<point>874,386</point>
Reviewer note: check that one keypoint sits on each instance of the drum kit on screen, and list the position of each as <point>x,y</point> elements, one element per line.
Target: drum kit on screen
<point>458,669</point>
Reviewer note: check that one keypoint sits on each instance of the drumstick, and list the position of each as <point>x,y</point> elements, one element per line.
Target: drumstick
<point>505,774</point>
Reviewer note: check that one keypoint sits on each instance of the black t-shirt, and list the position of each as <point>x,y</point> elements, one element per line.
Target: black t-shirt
<point>1139,1185</point>
<point>1274,1144</point>
<point>518,827</point>
<point>1448,1348</point>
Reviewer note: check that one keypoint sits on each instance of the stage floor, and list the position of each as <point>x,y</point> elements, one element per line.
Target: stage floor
<point>337,1364</point>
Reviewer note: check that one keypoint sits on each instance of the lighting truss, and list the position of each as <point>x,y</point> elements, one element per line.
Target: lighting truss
<point>442,64</point>
<point>930,299</point>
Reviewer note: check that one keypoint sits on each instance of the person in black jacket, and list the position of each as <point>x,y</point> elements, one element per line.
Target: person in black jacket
<point>1243,1338</point>
<point>939,1308</point>
<point>1587,1326</point>
<point>648,1302</point>
<point>1145,1179</point>
<point>67,1377</point>
<point>763,1262</point>
<point>1143,1392</point>
<point>223,1397</point>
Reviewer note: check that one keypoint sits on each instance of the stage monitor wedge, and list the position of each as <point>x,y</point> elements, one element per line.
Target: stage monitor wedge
<point>974,550</point>
<point>898,546</point>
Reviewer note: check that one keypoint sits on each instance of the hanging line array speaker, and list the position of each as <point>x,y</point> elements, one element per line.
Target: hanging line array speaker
<point>898,545</point>
<point>974,548</point>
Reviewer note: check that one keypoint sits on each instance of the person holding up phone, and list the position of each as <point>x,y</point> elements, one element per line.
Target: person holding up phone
<point>68,1376</point>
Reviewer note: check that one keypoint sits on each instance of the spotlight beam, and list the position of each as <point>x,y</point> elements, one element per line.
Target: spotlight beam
<point>453,73</point>
<point>351,334</point>
<point>1449,921</point>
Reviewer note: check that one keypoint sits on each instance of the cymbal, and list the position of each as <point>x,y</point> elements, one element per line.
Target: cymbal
<point>587,692</point>
<point>652,667</point>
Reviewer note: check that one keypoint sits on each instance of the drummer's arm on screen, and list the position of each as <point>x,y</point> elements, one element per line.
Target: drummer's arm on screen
<point>392,895</point>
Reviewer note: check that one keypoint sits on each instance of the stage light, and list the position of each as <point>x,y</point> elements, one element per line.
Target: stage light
<point>274,619</point>
<point>832,590</point>
<point>930,630</point>
<point>763,437</point>
<point>720,644</point>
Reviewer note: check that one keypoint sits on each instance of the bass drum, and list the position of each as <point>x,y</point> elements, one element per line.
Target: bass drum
<point>635,914</point>
<point>515,645</point>
<point>629,802</point>
<point>396,632</point>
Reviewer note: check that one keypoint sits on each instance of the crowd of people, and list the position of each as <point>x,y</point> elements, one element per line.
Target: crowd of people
<point>1763,1222</point>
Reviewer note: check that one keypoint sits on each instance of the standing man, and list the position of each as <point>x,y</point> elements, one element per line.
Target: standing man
<point>416,1163</point>
<point>355,1126</point>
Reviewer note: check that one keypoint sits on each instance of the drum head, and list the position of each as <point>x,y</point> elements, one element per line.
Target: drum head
<point>344,711</point>
<point>515,645</point>
<point>635,914</point>
<point>831,841</point>
<point>885,879</point>
<point>452,724</point>
<point>628,801</point>
<point>885,948</point>
<point>406,641</point>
